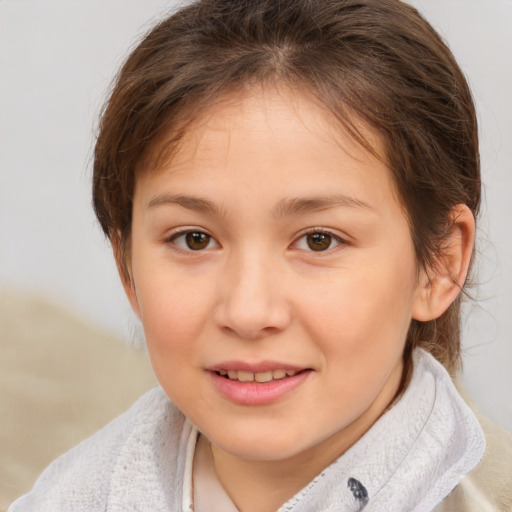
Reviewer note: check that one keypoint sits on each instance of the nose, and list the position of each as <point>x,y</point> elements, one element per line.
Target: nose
<point>253,301</point>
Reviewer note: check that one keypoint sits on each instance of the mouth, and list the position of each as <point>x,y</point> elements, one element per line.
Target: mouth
<point>259,384</point>
<point>260,377</point>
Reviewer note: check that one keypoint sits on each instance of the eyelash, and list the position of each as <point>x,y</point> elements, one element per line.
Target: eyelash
<point>171,240</point>
<point>332,237</point>
<point>321,231</point>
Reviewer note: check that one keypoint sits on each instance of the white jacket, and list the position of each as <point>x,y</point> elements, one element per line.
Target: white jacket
<point>408,461</point>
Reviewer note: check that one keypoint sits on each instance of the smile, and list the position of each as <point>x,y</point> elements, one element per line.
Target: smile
<point>262,377</point>
<point>259,384</point>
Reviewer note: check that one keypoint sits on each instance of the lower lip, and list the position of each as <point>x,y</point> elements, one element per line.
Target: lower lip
<point>257,393</point>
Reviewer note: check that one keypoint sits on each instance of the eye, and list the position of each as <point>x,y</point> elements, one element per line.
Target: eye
<point>318,241</point>
<point>193,241</point>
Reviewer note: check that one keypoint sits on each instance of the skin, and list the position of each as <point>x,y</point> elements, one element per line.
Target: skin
<point>255,173</point>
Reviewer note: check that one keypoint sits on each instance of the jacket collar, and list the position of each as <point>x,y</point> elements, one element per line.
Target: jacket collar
<point>410,459</point>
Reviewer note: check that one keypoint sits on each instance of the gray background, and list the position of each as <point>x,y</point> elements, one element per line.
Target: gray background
<point>57,59</point>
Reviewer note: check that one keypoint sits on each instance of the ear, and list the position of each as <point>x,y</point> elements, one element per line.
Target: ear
<point>123,263</point>
<point>439,286</point>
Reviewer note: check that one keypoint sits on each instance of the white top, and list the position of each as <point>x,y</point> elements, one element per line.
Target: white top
<point>209,495</point>
<point>410,459</point>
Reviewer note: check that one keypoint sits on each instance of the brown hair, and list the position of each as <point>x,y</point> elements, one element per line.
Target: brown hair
<point>375,61</point>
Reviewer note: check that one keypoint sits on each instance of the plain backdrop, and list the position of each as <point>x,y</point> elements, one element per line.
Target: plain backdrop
<point>57,59</point>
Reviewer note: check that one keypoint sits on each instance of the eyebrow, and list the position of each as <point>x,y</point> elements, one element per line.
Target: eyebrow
<point>298,205</point>
<point>285,207</point>
<point>189,202</point>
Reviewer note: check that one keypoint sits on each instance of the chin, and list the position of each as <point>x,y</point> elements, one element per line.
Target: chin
<point>261,446</point>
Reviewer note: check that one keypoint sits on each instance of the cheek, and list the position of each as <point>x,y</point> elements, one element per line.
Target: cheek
<point>172,328</point>
<point>171,320</point>
<point>360,329</point>
<point>174,310</point>
<point>360,316</point>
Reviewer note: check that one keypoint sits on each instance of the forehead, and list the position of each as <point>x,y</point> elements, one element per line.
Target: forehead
<point>278,116</point>
<point>246,133</point>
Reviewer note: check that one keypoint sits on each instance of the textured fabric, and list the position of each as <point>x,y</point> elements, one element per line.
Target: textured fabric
<point>488,488</point>
<point>410,459</point>
<point>136,463</point>
<point>61,380</point>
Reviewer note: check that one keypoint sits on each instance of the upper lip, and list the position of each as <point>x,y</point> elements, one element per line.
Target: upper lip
<point>263,366</point>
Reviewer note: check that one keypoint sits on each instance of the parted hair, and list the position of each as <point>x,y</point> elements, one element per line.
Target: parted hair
<point>372,63</point>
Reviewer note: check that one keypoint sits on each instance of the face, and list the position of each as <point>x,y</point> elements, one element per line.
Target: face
<point>274,273</point>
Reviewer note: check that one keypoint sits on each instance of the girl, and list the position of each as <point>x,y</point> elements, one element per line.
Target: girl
<point>290,189</point>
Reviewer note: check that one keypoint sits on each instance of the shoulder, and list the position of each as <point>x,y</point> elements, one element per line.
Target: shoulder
<point>82,478</point>
<point>488,488</point>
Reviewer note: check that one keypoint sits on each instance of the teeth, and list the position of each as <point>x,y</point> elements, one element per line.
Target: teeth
<point>244,376</point>
<point>279,374</point>
<point>263,377</point>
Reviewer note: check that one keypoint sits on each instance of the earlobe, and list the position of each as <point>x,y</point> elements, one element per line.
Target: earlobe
<point>123,264</point>
<point>439,286</point>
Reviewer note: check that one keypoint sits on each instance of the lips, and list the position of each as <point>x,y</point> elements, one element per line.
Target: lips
<point>261,377</point>
<point>259,384</point>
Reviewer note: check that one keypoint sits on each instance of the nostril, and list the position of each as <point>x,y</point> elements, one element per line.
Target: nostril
<point>251,311</point>
<point>249,333</point>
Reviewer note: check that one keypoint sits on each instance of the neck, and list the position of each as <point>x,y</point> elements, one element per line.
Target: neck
<point>265,485</point>
<point>262,486</point>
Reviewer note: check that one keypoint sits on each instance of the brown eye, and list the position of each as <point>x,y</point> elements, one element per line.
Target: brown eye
<point>190,240</point>
<point>196,240</point>
<point>319,241</point>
